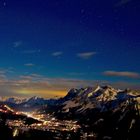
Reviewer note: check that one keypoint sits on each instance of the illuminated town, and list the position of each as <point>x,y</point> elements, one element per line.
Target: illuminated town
<point>44,122</point>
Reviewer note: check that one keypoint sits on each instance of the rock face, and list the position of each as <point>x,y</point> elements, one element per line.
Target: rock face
<point>107,112</point>
<point>102,98</point>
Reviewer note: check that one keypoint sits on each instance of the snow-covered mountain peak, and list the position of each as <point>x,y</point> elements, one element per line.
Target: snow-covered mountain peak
<point>34,98</point>
<point>99,97</point>
<point>97,89</point>
<point>15,100</point>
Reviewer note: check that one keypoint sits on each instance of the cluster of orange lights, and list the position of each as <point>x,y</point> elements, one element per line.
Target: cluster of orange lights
<point>6,109</point>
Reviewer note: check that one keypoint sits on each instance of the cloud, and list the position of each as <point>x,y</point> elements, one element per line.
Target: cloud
<point>36,75</point>
<point>57,53</point>
<point>122,2</point>
<point>86,55</point>
<point>3,71</point>
<point>125,85</point>
<point>17,44</point>
<point>26,77</point>
<point>39,85</point>
<point>7,70</point>
<point>2,76</point>
<point>29,64</point>
<point>31,77</point>
<point>68,83</point>
<point>122,74</point>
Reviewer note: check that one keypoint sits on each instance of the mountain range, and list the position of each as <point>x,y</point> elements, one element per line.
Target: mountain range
<point>101,97</point>
<point>104,111</point>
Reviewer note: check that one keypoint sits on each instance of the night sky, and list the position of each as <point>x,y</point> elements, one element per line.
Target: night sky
<point>50,46</point>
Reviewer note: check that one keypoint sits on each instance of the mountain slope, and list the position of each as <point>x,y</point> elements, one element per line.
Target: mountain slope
<point>102,98</point>
<point>105,112</point>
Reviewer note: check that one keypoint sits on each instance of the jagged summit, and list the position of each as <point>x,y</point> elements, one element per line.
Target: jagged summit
<point>99,97</point>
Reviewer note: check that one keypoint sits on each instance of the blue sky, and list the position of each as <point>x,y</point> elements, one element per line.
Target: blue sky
<point>88,42</point>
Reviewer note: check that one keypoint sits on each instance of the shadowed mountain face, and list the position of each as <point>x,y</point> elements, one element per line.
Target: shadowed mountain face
<point>104,112</point>
<point>102,98</point>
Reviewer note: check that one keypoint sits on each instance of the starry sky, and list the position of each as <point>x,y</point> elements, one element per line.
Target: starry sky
<point>50,46</point>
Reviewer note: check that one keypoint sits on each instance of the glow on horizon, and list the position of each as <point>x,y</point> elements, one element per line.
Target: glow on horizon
<point>48,93</point>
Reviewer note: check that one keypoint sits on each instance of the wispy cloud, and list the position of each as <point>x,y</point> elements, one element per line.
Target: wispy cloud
<point>24,85</point>
<point>36,75</point>
<point>2,76</point>
<point>57,53</point>
<point>6,70</point>
<point>122,74</point>
<point>29,64</point>
<point>3,71</point>
<point>86,55</point>
<point>17,44</point>
<point>32,77</point>
<point>26,77</point>
<point>39,85</point>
